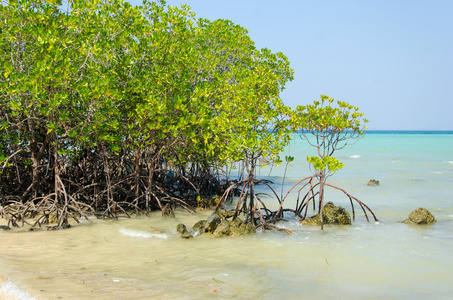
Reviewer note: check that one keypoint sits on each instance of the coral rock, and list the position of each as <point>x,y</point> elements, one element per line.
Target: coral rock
<point>373,182</point>
<point>331,214</point>
<point>212,222</point>
<point>420,216</point>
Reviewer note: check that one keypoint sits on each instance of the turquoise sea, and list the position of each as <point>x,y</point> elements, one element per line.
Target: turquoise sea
<point>144,258</point>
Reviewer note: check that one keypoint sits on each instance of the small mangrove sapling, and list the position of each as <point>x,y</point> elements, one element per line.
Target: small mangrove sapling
<point>328,126</point>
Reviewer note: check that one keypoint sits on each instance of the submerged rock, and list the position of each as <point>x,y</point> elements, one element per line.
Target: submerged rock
<point>223,229</point>
<point>64,226</point>
<point>212,222</point>
<point>249,228</point>
<point>214,200</point>
<point>218,225</point>
<point>225,214</point>
<point>373,182</point>
<point>237,227</point>
<point>48,228</point>
<point>311,221</point>
<point>199,226</point>
<point>335,215</point>
<point>331,214</point>
<point>205,203</point>
<point>187,235</point>
<point>420,216</point>
<point>181,228</point>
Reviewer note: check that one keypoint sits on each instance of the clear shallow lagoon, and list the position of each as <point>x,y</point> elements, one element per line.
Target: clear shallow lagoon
<point>144,258</point>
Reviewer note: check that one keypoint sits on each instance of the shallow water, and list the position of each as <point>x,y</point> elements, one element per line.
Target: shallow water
<point>144,258</point>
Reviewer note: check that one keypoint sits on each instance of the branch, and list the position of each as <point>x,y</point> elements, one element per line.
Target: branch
<point>281,203</point>
<point>360,202</point>
<point>11,156</point>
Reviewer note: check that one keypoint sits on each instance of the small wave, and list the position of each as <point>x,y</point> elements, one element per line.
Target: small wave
<point>439,173</point>
<point>142,234</point>
<point>9,290</point>
<point>355,156</point>
<point>448,162</point>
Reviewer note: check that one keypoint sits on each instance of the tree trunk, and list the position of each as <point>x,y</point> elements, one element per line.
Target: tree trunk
<point>252,197</point>
<point>137,173</point>
<point>321,198</point>
<point>36,157</point>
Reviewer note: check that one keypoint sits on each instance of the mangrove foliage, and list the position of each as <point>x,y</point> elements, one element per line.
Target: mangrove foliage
<point>109,109</point>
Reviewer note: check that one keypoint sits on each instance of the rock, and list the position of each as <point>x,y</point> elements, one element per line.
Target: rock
<point>212,222</point>
<point>63,226</point>
<point>249,228</point>
<point>223,229</point>
<point>420,216</point>
<point>217,225</point>
<point>312,221</point>
<point>373,182</point>
<point>187,235</point>
<point>181,228</point>
<point>237,227</point>
<point>208,202</point>
<point>214,200</point>
<point>199,226</point>
<point>335,215</point>
<point>225,214</point>
<point>331,214</point>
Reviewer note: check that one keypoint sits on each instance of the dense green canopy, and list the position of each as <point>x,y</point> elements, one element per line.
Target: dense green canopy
<point>98,103</point>
<point>108,107</point>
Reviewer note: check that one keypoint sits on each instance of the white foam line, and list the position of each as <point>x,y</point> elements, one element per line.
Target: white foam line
<point>142,234</point>
<point>355,156</point>
<point>11,291</point>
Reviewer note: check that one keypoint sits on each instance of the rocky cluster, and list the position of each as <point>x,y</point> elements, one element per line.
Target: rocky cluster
<point>218,224</point>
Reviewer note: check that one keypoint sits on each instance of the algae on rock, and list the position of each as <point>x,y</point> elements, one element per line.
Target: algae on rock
<point>373,182</point>
<point>331,214</point>
<point>218,225</point>
<point>420,216</point>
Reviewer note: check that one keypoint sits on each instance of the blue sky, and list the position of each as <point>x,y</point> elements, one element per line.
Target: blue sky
<point>391,58</point>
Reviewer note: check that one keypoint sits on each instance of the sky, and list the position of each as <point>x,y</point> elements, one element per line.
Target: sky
<point>391,58</point>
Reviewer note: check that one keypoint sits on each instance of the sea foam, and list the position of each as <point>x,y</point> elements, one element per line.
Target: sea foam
<point>9,290</point>
<point>142,234</point>
<point>355,156</point>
